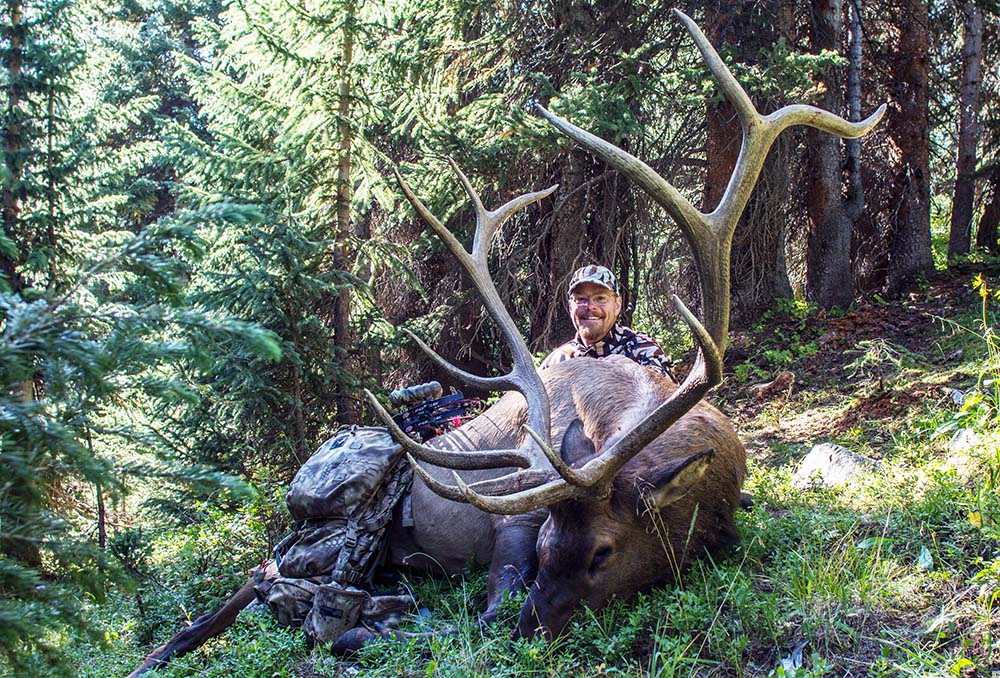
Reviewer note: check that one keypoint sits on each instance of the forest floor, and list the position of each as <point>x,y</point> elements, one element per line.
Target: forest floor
<point>888,379</point>
<point>895,573</point>
<point>850,370</point>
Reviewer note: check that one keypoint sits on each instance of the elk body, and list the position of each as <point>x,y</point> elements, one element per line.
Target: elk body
<point>590,549</point>
<point>646,475</point>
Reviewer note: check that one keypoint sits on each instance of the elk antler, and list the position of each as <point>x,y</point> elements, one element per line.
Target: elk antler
<point>710,238</point>
<point>522,377</point>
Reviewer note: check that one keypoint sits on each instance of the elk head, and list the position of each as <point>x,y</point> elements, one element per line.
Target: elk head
<point>603,495</point>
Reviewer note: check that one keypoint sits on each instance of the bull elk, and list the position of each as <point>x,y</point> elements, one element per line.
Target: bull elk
<point>647,474</point>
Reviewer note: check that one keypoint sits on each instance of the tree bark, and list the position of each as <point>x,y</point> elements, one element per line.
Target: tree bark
<point>561,250</point>
<point>828,248</point>
<point>50,173</point>
<point>855,198</point>
<point>892,247</point>
<point>12,143</point>
<point>989,223</point>
<point>910,255</point>
<point>346,411</point>
<point>102,519</point>
<point>968,133</point>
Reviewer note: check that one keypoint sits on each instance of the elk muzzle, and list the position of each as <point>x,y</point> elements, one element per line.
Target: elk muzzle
<point>546,612</point>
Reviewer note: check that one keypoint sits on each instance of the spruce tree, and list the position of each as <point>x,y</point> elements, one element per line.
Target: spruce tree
<point>92,322</point>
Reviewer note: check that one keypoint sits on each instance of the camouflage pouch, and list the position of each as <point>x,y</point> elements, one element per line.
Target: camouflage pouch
<point>344,475</point>
<point>335,611</point>
<point>314,549</point>
<point>291,599</point>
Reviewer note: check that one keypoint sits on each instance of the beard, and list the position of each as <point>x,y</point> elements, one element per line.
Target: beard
<point>592,327</point>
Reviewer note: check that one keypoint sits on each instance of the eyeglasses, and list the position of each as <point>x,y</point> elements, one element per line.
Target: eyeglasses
<point>599,299</point>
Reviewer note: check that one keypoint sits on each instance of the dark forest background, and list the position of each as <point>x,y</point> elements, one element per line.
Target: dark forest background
<point>203,257</point>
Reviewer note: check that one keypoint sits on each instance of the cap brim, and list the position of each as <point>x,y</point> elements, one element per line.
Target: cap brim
<point>592,282</point>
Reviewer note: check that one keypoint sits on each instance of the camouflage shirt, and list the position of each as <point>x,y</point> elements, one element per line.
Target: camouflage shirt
<point>621,340</point>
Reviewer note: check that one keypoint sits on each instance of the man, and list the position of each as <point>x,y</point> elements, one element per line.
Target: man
<point>594,305</point>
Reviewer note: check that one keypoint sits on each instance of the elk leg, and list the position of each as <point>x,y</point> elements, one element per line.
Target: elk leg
<point>513,568</point>
<point>352,641</point>
<point>515,559</point>
<point>208,625</point>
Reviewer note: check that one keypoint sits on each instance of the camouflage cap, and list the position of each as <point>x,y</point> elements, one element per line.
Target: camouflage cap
<point>598,275</point>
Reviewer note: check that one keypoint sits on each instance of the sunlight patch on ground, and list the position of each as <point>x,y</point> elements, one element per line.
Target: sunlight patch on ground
<point>785,426</point>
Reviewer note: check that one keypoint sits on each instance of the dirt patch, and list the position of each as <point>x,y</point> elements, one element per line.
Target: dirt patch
<point>884,405</point>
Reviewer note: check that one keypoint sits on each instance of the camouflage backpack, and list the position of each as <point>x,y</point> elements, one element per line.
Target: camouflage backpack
<point>342,499</point>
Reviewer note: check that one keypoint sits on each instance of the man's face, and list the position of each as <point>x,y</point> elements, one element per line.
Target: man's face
<point>594,310</point>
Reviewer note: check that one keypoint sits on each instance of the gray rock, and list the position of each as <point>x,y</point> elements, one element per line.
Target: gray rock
<point>963,440</point>
<point>829,465</point>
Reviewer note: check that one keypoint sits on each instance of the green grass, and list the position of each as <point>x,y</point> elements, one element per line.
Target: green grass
<point>892,576</point>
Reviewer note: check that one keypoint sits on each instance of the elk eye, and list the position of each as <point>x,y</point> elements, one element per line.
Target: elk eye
<point>601,556</point>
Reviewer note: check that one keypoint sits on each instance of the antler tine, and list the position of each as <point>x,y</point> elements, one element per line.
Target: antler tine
<point>528,478</point>
<point>502,383</point>
<point>522,376</point>
<point>567,472</point>
<point>477,202</point>
<point>683,212</point>
<point>436,486</point>
<point>810,116</point>
<point>487,221</point>
<point>759,137</point>
<point>449,239</point>
<point>448,459</point>
<point>500,214</point>
<point>730,87</point>
<point>514,503</point>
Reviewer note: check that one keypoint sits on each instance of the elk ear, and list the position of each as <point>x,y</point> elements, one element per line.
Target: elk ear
<point>680,476</point>
<point>575,444</point>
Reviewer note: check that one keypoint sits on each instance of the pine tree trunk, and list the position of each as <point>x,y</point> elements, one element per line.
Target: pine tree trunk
<point>989,223</point>
<point>102,519</point>
<point>828,250</point>
<point>50,172</point>
<point>13,141</point>
<point>102,524</point>
<point>854,200</point>
<point>560,252</point>
<point>908,127</point>
<point>342,343</point>
<point>968,133</point>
